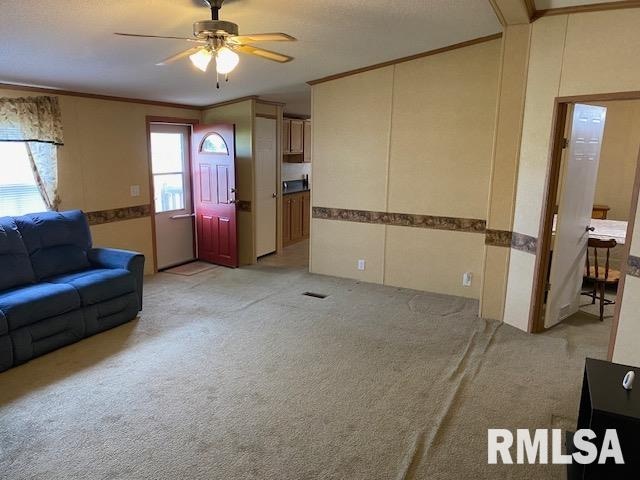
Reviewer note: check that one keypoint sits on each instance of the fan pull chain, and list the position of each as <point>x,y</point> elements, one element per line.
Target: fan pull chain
<point>217,80</point>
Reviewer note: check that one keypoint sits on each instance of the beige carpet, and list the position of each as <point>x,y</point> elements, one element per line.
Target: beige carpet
<point>233,374</point>
<point>191,268</point>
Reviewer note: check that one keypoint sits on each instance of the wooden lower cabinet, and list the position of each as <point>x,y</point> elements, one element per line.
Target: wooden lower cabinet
<point>306,214</point>
<point>296,217</point>
<point>286,220</point>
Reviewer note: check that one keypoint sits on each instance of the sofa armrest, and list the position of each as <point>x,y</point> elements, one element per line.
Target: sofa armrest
<point>115,258</point>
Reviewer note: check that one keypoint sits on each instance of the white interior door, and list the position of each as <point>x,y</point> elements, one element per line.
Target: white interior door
<point>574,212</point>
<point>172,194</point>
<point>266,185</point>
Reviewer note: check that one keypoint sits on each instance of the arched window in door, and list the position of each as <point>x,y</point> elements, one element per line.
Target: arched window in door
<point>214,143</point>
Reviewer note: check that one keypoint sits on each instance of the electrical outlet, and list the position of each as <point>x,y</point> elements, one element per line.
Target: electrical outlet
<point>466,279</point>
<point>135,190</point>
<point>361,264</point>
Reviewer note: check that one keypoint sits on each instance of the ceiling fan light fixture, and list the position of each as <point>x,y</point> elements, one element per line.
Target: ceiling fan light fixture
<point>201,59</point>
<point>226,60</point>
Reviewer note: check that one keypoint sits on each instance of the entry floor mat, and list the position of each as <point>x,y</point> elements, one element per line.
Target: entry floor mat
<point>192,268</point>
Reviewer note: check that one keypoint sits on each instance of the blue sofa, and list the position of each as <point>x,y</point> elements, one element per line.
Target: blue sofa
<point>55,289</point>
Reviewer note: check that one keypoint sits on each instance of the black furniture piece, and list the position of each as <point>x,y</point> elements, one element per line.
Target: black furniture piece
<point>605,404</point>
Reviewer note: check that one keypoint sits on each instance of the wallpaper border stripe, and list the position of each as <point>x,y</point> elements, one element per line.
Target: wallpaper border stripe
<point>524,243</point>
<point>100,217</point>
<point>470,225</point>
<point>493,237</point>
<point>633,266</point>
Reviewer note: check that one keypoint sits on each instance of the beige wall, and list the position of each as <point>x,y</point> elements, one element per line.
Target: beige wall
<point>105,152</point>
<point>504,171</point>
<point>415,137</point>
<point>241,114</point>
<point>626,347</point>
<point>619,157</point>
<point>350,149</point>
<point>578,54</point>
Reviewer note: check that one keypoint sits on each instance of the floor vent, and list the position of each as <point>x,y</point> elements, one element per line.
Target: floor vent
<point>314,295</point>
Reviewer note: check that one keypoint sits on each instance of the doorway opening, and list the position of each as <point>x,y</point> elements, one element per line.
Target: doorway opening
<point>588,211</point>
<point>283,193</point>
<point>172,198</point>
<point>192,182</point>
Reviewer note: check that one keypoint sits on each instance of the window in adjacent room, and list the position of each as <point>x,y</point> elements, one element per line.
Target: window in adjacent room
<point>19,193</point>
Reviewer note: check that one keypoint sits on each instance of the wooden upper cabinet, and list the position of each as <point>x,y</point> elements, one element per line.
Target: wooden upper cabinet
<point>286,135</point>
<point>296,140</point>
<point>297,136</point>
<point>307,141</point>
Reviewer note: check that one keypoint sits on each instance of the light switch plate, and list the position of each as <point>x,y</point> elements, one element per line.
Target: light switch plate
<point>135,190</point>
<point>466,279</point>
<point>361,264</point>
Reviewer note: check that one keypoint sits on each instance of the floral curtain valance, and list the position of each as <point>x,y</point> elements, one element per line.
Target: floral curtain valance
<point>31,119</point>
<point>37,122</point>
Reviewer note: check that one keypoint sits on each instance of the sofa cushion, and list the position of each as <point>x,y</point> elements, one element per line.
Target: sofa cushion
<point>46,335</point>
<point>4,326</point>
<point>6,353</point>
<point>32,303</point>
<point>111,313</point>
<point>15,266</point>
<point>57,242</point>
<point>98,285</point>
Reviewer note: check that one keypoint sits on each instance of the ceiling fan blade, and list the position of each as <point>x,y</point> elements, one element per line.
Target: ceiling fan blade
<point>159,36</point>
<point>178,56</point>
<point>262,37</point>
<point>269,55</point>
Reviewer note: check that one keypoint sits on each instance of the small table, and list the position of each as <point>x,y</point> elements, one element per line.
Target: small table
<point>604,404</point>
<point>604,229</point>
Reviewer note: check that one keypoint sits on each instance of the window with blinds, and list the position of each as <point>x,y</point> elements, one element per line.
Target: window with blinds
<point>19,193</point>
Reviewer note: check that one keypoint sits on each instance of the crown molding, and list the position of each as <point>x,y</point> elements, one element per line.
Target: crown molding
<point>513,12</point>
<point>112,98</point>
<point>95,96</point>
<point>429,53</point>
<point>530,5</point>
<point>230,102</point>
<point>595,7</point>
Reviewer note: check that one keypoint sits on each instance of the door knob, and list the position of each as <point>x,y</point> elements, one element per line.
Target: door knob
<point>590,229</point>
<point>274,195</point>
<point>233,190</point>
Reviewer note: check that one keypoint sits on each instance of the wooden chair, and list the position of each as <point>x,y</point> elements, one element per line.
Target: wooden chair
<point>600,276</point>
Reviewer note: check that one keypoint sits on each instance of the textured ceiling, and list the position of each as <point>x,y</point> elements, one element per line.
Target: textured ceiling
<point>68,44</point>
<point>545,4</point>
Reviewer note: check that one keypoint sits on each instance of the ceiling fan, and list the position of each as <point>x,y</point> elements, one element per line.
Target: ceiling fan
<point>218,39</point>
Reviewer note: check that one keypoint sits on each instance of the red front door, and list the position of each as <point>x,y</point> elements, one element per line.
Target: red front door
<point>214,193</point>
